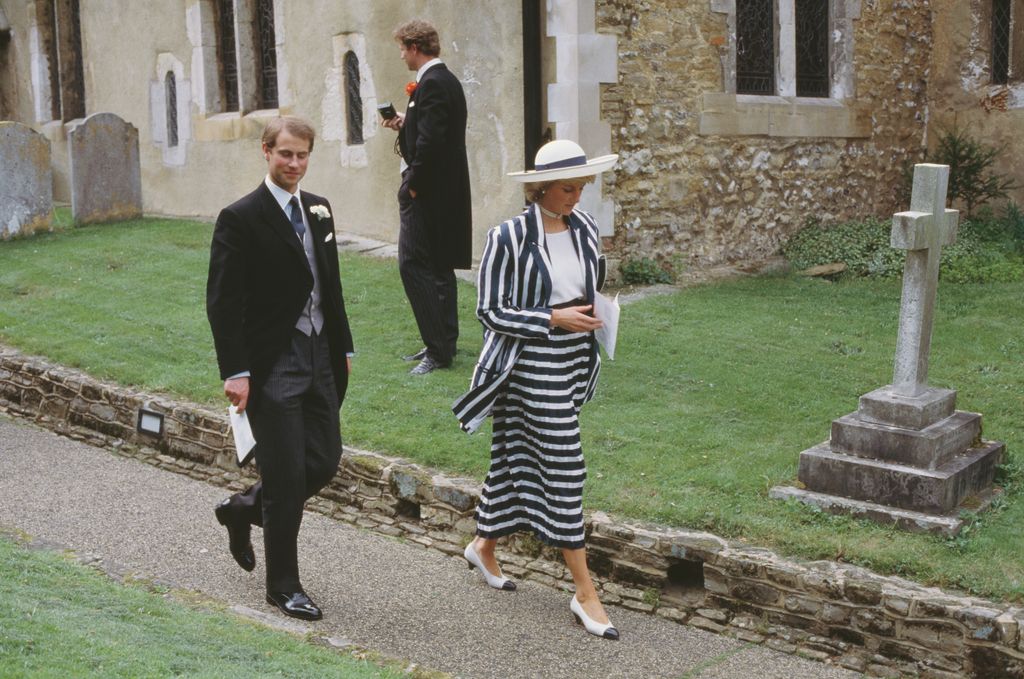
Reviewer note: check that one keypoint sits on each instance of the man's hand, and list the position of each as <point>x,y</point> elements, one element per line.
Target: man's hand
<point>348,364</point>
<point>575,319</point>
<point>237,391</point>
<point>395,123</point>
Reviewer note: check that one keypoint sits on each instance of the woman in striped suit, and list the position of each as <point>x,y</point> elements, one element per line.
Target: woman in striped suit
<point>538,366</point>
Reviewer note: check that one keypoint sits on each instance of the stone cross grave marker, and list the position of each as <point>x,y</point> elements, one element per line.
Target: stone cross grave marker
<point>26,190</point>
<point>907,456</point>
<point>922,231</point>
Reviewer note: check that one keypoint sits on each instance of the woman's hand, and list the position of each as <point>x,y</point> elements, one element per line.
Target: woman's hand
<point>575,319</point>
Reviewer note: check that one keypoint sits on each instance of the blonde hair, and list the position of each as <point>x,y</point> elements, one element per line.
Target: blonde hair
<point>535,190</point>
<point>296,126</point>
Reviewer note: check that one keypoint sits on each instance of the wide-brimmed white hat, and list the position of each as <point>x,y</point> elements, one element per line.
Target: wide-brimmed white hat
<point>563,159</point>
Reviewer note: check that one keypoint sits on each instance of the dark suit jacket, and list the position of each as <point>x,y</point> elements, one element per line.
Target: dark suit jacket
<point>259,282</point>
<point>433,143</point>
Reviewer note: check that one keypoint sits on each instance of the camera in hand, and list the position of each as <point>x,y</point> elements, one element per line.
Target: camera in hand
<point>387,111</point>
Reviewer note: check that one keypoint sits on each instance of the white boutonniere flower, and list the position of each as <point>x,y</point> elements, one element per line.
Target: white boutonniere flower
<point>320,211</point>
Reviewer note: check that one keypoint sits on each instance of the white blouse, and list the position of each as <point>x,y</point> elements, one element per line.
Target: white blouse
<point>566,273</point>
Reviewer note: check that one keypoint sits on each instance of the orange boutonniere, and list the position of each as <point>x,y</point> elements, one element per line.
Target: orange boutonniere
<point>410,88</point>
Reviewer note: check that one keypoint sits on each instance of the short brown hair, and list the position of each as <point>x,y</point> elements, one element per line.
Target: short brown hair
<point>420,33</point>
<point>296,126</point>
<point>534,190</point>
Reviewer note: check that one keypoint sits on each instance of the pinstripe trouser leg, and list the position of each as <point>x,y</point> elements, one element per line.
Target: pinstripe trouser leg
<point>431,290</point>
<point>298,447</point>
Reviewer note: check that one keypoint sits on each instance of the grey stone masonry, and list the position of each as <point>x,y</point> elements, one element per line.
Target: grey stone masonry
<point>907,456</point>
<point>26,192</point>
<point>106,180</point>
<point>836,613</point>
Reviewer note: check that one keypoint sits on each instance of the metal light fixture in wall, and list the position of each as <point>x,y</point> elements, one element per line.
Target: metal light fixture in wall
<point>150,422</point>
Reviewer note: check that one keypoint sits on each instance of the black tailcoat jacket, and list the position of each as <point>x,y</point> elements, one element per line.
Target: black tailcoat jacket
<point>259,282</point>
<point>433,144</point>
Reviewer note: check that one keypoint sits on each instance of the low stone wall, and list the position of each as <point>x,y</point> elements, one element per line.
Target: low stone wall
<point>831,612</point>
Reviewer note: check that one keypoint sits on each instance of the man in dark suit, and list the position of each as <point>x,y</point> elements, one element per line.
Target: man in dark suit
<point>436,214</point>
<point>275,306</point>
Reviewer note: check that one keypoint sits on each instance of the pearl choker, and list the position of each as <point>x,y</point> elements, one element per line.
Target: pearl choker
<point>549,213</point>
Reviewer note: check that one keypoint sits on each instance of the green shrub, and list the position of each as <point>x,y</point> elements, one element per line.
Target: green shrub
<point>643,271</point>
<point>971,177</point>
<point>984,252</point>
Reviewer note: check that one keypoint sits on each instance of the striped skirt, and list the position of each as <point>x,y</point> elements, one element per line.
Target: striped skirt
<point>535,482</point>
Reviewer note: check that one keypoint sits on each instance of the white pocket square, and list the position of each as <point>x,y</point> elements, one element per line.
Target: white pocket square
<point>411,104</point>
<point>330,236</point>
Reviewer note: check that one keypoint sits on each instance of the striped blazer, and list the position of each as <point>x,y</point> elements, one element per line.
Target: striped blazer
<point>513,293</point>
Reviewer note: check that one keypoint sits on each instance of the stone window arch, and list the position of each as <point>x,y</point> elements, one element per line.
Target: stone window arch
<point>353,100</point>
<point>170,96</point>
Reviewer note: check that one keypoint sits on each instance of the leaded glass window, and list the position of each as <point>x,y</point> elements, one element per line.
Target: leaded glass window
<point>812,31</point>
<point>72,73</point>
<point>353,101</point>
<point>755,46</point>
<point>1000,42</point>
<point>226,53</point>
<point>171,104</point>
<point>267,53</point>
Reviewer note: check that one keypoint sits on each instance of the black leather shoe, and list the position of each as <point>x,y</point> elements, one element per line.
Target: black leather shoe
<point>295,605</point>
<point>238,535</point>
<point>418,356</point>
<point>428,365</point>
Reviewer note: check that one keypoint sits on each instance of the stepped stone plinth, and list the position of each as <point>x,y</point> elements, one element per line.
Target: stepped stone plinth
<point>907,455</point>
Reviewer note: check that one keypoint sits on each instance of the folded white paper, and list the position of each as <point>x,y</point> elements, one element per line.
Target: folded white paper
<point>608,311</point>
<point>244,440</point>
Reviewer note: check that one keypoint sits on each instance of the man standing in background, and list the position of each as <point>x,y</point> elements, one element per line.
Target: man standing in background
<point>434,198</point>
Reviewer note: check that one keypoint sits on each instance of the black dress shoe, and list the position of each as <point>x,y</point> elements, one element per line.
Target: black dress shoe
<point>418,356</point>
<point>427,365</point>
<point>238,535</point>
<point>295,605</point>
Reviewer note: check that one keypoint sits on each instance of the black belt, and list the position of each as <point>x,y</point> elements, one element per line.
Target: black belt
<point>579,301</point>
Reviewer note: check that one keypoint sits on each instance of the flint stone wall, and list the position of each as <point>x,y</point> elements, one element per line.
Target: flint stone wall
<point>687,198</point>
<point>26,192</point>
<point>835,613</point>
<point>106,180</point>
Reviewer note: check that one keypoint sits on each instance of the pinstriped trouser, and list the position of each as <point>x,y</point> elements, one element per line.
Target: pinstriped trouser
<point>431,289</point>
<point>298,447</point>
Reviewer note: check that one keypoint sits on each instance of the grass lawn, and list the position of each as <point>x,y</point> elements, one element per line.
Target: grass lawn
<point>716,390</point>
<point>61,619</point>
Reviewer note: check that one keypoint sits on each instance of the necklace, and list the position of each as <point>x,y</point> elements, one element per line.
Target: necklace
<point>549,213</point>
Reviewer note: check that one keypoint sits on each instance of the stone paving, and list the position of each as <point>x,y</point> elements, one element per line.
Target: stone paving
<point>381,593</point>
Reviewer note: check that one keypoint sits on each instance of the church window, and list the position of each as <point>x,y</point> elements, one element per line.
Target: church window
<point>171,106</point>
<point>755,46</point>
<point>353,100</point>
<point>812,31</point>
<point>1000,42</point>
<point>227,54</point>
<point>60,36</point>
<point>267,53</point>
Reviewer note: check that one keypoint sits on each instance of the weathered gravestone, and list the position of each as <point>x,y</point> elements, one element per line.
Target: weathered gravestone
<point>106,182</point>
<point>907,456</point>
<point>26,191</point>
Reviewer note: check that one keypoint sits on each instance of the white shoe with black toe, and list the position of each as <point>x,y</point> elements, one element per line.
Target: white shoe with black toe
<point>592,626</point>
<point>497,582</point>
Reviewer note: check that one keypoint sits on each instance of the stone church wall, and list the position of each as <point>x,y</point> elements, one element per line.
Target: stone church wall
<point>685,197</point>
<point>129,50</point>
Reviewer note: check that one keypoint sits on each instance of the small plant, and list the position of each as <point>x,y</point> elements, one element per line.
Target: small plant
<point>643,271</point>
<point>652,597</point>
<point>972,178</point>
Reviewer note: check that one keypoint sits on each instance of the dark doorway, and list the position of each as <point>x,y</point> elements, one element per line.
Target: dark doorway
<point>533,85</point>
